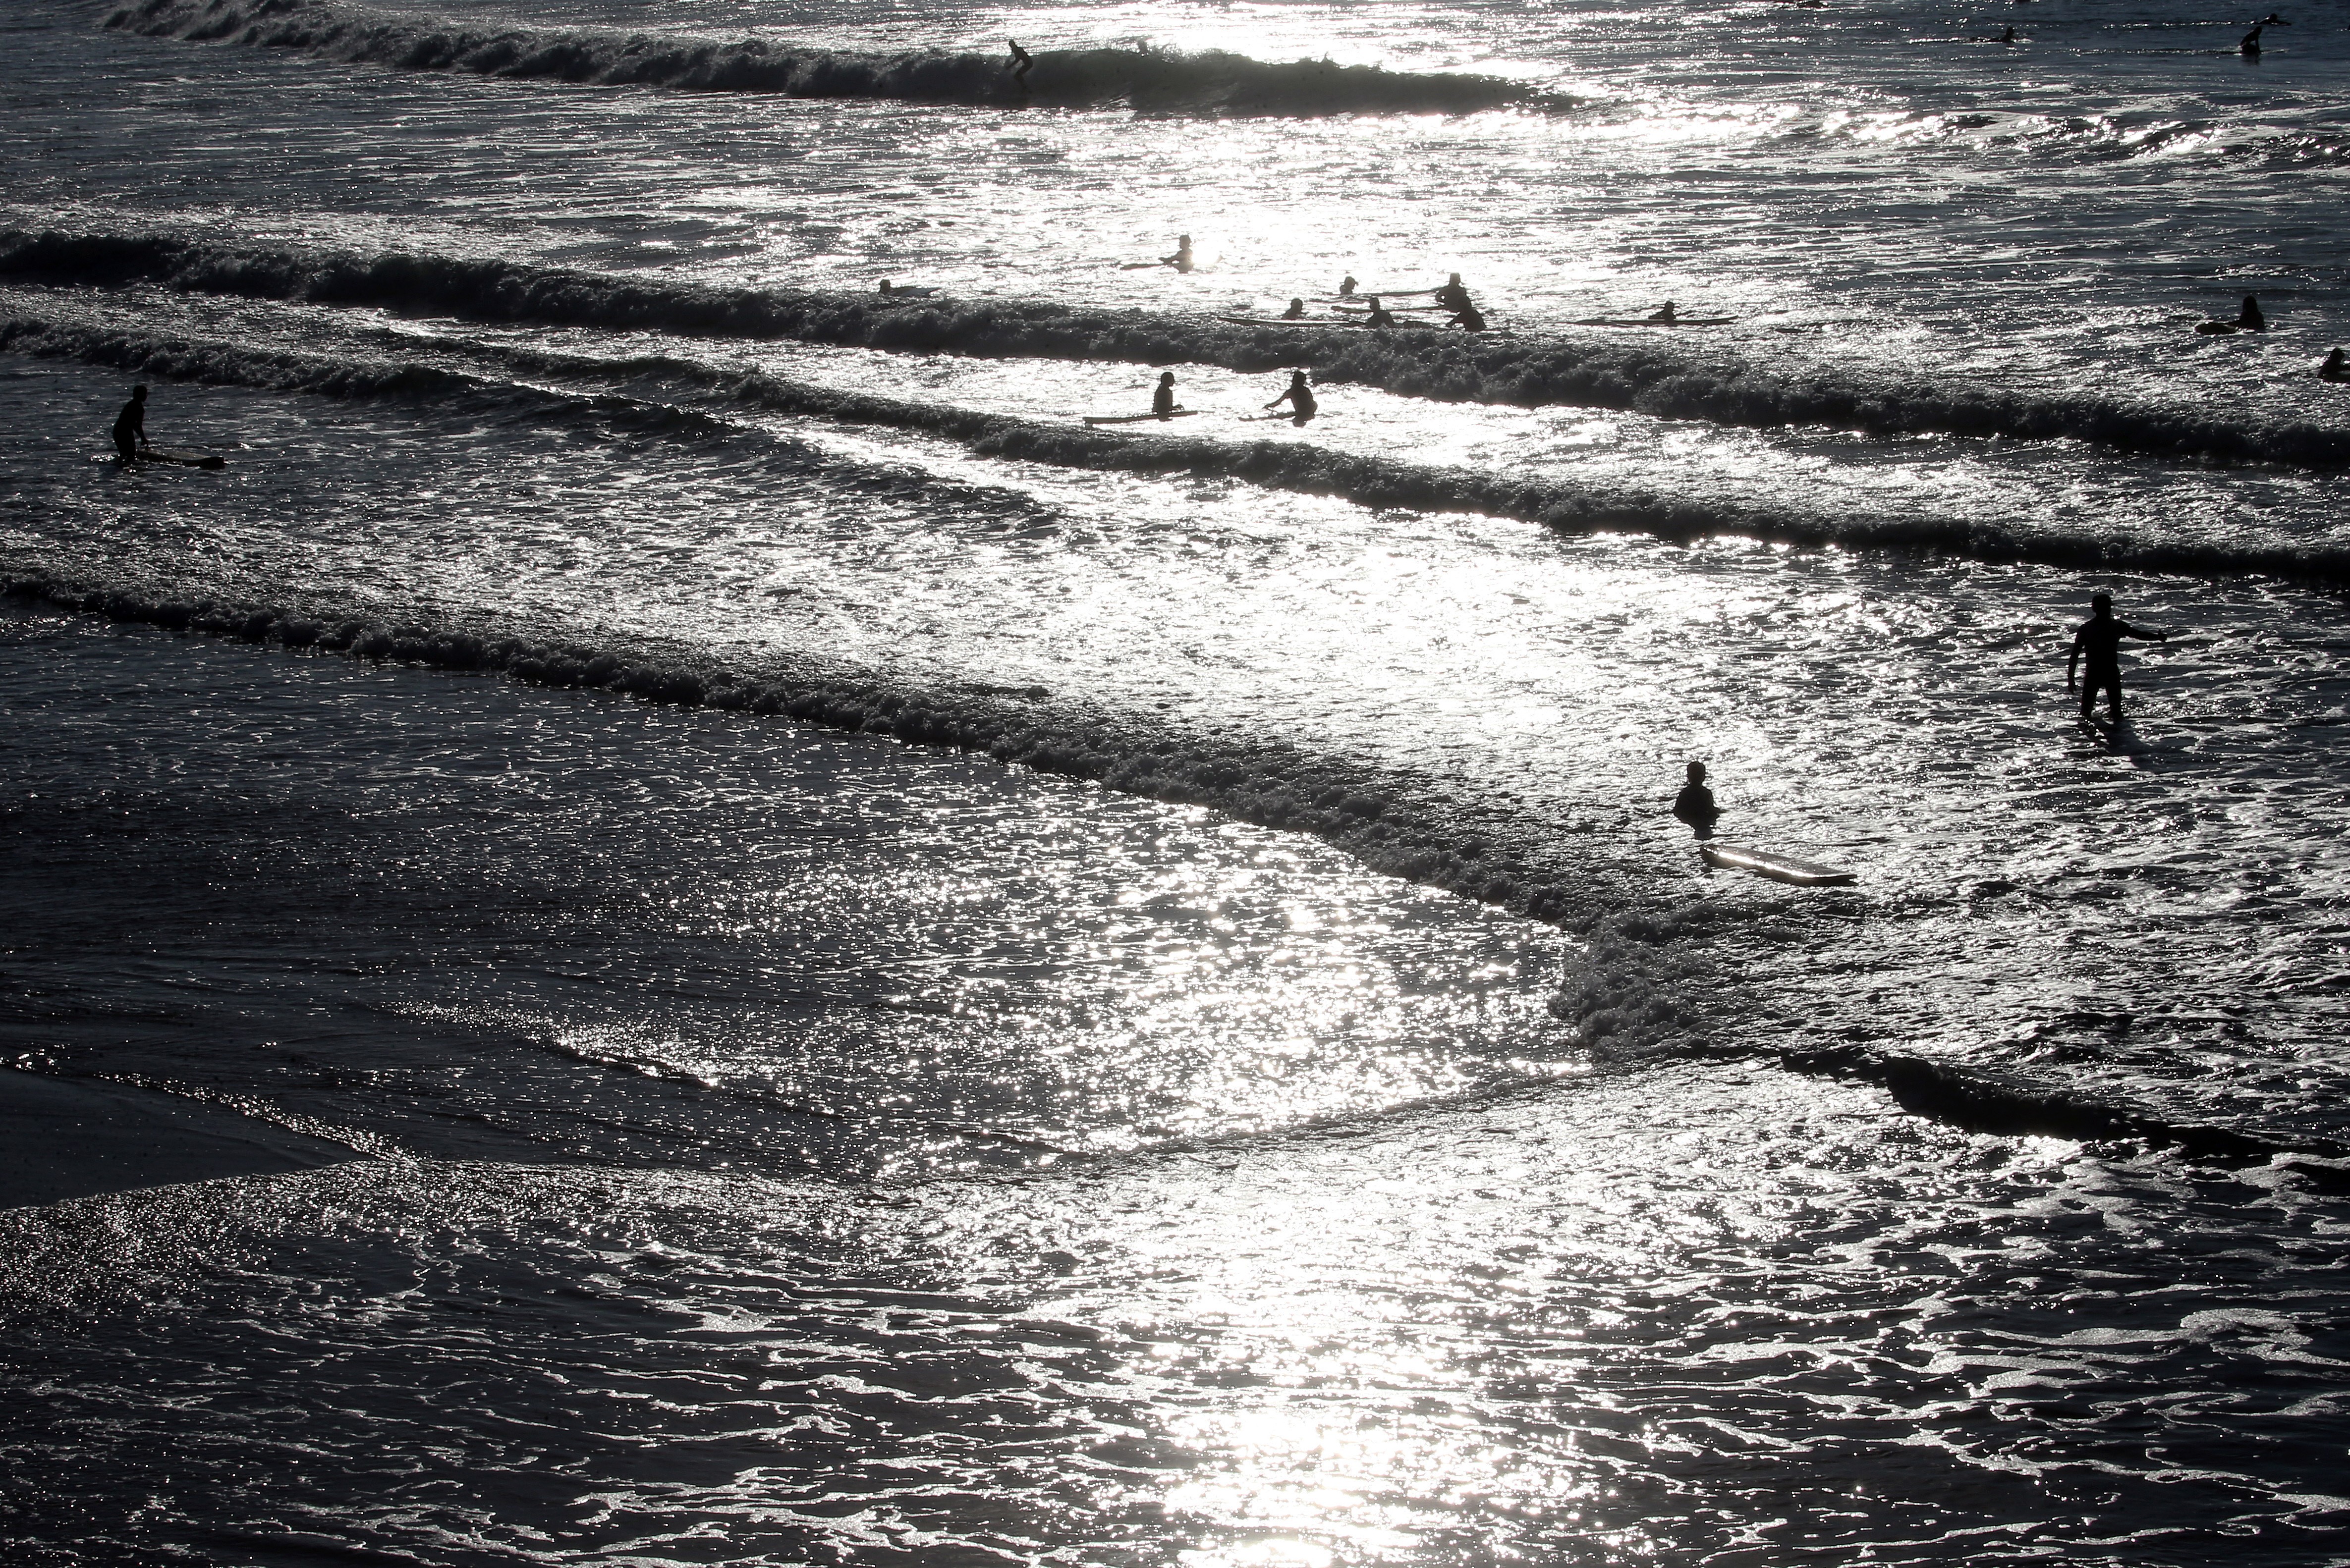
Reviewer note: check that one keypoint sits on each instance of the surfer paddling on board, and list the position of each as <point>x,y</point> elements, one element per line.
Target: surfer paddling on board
<point>2249,318</point>
<point>1695,804</point>
<point>130,426</point>
<point>1667,314</point>
<point>2100,636</point>
<point>2336,368</point>
<point>1300,398</point>
<point>1296,312</point>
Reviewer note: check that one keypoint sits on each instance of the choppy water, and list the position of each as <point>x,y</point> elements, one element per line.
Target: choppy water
<point>931,983</point>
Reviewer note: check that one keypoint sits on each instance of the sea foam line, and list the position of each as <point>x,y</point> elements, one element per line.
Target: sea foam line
<point>1650,983</point>
<point>1150,80</point>
<point>1302,468</point>
<point>1643,375</point>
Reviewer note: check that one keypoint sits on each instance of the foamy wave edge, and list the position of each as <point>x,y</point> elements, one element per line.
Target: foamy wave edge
<point>1150,80</point>
<point>1563,507</point>
<point>1647,984</point>
<point>1528,372</point>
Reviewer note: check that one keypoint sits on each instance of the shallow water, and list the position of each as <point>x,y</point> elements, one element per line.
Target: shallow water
<point>927,984</point>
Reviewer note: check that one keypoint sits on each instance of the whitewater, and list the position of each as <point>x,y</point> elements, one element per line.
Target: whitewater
<point>804,958</point>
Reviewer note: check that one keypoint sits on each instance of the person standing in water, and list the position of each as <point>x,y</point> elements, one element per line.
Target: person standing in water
<point>1181,260</point>
<point>1020,63</point>
<point>1296,312</point>
<point>1695,804</point>
<point>2100,636</point>
<point>1162,401</point>
<point>130,426</point>
<point>1300,398</point>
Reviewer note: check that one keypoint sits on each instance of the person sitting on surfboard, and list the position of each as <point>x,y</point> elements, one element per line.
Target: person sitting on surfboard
<point>1020,63</point>
<point>2248,320</point>
<point>1453,296</point>
<point>1181,260</point>
<point>1695,804</point>
<point>1377,315</point>
<point>2336,368</point>
<point>2100,636</point>
<point>1468,318</point>
<point>1664,315</point>
<point>130,426</point>
<point>1347,287</point>
<point>1300,398</point>
<point>1162,401</point>
<point>1296,312</point>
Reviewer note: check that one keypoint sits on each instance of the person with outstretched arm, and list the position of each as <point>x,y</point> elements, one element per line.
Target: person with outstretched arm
<point>1300,398</point>
<point>1181,260</point>
<point>130,426</point>
<point>2100,637</point>
<point>1162,401</point>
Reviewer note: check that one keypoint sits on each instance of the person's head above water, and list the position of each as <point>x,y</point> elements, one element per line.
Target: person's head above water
<point>139,394</point>
<point>1454,280</point>
<point>2101,603</point>
<point>1167,378</point>
<point>1297,377</point>
<point>1696,773</point>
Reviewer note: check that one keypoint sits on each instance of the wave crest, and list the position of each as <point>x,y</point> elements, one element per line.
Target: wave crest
<point>1150,80</point>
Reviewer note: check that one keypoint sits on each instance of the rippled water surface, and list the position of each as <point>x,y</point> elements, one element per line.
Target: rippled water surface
<point>923,981</point>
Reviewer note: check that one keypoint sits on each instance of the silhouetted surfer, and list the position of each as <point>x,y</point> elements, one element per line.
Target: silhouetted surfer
<point>2100,636</point>
<point>1377,316</point>
<point>1666,315</point>
<point>1296,311</point>
<point>1468,318</point>
<point>2251,44</point>
<point>2336,368</point>
<point>1162,401</point>
<point>1347,287</point>
<point>1181,260</point>
<point>1300,398</point>
<point>2007,37</point>
<point>1020,63</point>
<point>1695,804</point>
<point>2248,320</point>
<point>130,426</point>
<point>1453,296</point>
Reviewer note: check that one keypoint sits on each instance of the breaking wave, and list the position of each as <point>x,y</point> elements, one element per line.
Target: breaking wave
<point>1301,468</point>
<point>1526,371</point>
<point>1150,80</point>
<point>1651,981</point>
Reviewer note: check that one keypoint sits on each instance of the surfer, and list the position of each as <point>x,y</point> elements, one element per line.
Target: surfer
<point>1695,804</point>
<point>1453,296</point>
<point>1300,398</point>
<point>1181,260</point>
<point>1468,318</point>
<point>130,426</point>
<point>1020,63</point>
<point>2007,37</point>
<point>1162,401</point>
<point>1664,315</point>
<point>2248,320</point>
<point>1347,287</point>
<point>2251,44</point>
<point>2100,636</point>
<point>1377,315</point>
<point>2336,368</point>
<point>1296,312</point>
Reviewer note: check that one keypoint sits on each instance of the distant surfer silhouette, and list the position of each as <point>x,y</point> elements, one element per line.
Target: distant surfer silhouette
<point>1300,399</point>
<point>1666,315</point>
<point>1468,318</point>
<point>1695,804</point>
<point>1021,63</point>
<point>1377,316</point>
<point>130,426</point>
<point>2249,318</point>
<point>1181,260</point>
<point>1162,401</point>
<point>1347,287</point>
<point>2100,637</point>
<point>1454,295</point>
<point>2007,37</point>
<point>2251,44</point>
<point>2336,368</point>
<point>1296,312</point>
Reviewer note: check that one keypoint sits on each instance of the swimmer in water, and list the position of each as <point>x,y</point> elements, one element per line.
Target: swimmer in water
<point>1347,287</point>
<point>1296,311</point>
<point>1162,401</point>
<point>1300,398</point>
<point>2248,320</point>
<point>1377,315</point>
<point>1695,804</point>
<point>1020,62</point>
<point>2336,368</point>
<point>1664,315</point>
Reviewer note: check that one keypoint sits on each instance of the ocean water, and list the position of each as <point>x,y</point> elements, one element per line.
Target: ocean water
<point>924,983</point>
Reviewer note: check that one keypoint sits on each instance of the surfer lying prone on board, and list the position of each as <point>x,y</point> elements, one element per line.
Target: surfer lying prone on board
<point>2336,368</point>
<point>2248,320</point>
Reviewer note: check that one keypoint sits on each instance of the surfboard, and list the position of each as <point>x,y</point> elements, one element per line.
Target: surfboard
<point>1677,321</point>
<point>1278,321</point>
<point>1777,868</point>
<point>186,459</point>
<point>1139,418</point>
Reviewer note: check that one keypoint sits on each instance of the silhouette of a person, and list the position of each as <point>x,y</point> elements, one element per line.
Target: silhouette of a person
<point>1468,318</point>
<point>1020,62</point>
<point>2100,637</point>
<point>130,426</point>
<point>1695,804</point>
<point>1666,315</point>
<point>1454,295</point>
<point>1181,260</point>
<point>1377,316</point>
<point>1296,312</point>
<point>1300,398</point>
<point>2249,318</point>
<point>1347,287</point>
<point>1162,401</point>
<point>2251,44</point>
<point>2336,368</point>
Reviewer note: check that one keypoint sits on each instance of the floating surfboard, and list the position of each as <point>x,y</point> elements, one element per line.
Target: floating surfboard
<point>1633,321</point>
<point>1139,419</point>
<point>1777,868</point>
<point>186,459</point>
<point>1279,321</point>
